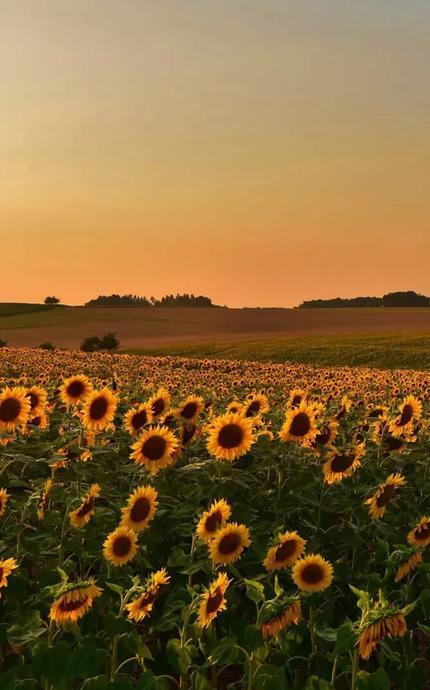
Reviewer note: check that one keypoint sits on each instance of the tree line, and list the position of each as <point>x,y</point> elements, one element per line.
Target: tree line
<point>178,300</point>
<point>409,298</point>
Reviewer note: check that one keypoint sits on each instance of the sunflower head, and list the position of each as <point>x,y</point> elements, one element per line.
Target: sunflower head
<point>4,496</point>
<point>75,389</point>
<point>120,546</point>
<point>155,449</point>
<point>159,403</point>
<point>341,464</point>
<point>312,573</point>
<point>289,548</point>
<point>213,601</point>
<point>74,600</point>
<point>213,519</point>
<point>420,534</point>
<point>300,424</point>
<point>99,409</point>
<point>137,418</point>
<point>14,408</point>
<point>190,409</point>
<point>230,436</point>
<point>6,567</point>
<point>279,613</point>
<point>140,509</point>
<point>229,543</point>
<point>384,494</point>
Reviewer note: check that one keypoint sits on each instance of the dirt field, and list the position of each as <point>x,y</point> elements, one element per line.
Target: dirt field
<point>156,327</point>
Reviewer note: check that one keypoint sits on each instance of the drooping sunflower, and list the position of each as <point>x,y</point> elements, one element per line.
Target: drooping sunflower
<point>14,409</point>
<point>383,495</point>
<point>341,464</point>
<point>137,418</point>
<point>410,411</point>
<point>213,519</point>
<point>155,449</point>
<point>300,424</point>
<point>6,568</point>
<point>82,515</point>
<point>159,402</point>
<point>420,534</point>
<point>279,614</point>
<point>312,573</point>
<point>44,499</point>
<point>289,548</point>
<point>142,606</point>
<point>256,403</point>
<point>191,409</point>
<point>4,496</point>
<point>408,566</point>
<point>228,543</point>
<point>120,546</point>
<point>99,409</point>
<point>74,601</point>
<point>380,623</point>
<point>230,436</point>
<point>213,601</point>
<point>75,389</point>
<point>140,509</point>
<point>38,399</point>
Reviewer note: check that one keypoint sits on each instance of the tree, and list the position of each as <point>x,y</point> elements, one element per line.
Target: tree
<point>52,300</point>
<point>46,346</point>
<point>3,343</point>
<point>91,344</point>
<point>109,342</point>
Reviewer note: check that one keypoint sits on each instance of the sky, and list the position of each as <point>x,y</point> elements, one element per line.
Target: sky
<point>261,152</point>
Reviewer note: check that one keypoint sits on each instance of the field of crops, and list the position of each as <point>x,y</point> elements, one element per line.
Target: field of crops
<point>211,524</point>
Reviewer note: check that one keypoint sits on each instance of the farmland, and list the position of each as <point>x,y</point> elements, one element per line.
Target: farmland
<point>211,524</point>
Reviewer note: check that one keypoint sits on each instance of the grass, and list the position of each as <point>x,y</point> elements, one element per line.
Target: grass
<point>8,309</point>
<point>391,351</point>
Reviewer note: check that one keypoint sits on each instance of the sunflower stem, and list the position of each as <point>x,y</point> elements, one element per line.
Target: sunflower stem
<point>354,670</point>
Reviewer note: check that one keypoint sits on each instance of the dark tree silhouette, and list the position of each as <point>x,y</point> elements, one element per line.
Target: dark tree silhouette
<point>52,300</point>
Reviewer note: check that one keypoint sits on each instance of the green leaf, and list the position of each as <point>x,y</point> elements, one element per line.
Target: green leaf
<point>345,638</point>
<point>254,590</point>
<point>269,677</point>
<point>114,587</point>
<point>27,630</point>
<point>379,680</point>
<point>178,656</point>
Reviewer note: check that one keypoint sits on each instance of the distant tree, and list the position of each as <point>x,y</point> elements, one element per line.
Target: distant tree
<point>135,301</point>
<point>109,342</point>
<point>52,300</point>
<point>405,299</point>
<point>91,344</point>
<point>46,346</point>
<point>3,343</point>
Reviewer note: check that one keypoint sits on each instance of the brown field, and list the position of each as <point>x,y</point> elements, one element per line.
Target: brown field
<point>156,327</point>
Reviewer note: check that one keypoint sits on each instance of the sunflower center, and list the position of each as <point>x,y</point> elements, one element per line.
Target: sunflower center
<point>229,543</point>
<point>214,601</point>
<point>36,421</point>
<point>406,416</point>
<point>423,531</point>
<point>34,400</point>
<point>98,408</point>
<point>189,410</point>
<point>213,520</point>
<point>300,424</point>
<point>188,433</point>
<point>121,546</point>
<point>296,400</point>
<point>86,507</point>
<point>158,406</point>
<point>9,409</point>
<point>312,573</point>
<point>393,443</point>
<point>323,438</point>
<point>385,496</point>
<point>140,510</point>
<point>75,389</point>
<point>139,420</point>
<point>378,412</point>
<point>148,598</point>
<point>340,463</point>
<point>285,550</point>
<point>154,447</point>
<point>230,436</point>
<point>67,606</point>
<point>253,408</point>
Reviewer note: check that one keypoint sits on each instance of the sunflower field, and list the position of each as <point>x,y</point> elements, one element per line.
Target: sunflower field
<point>175,523</point>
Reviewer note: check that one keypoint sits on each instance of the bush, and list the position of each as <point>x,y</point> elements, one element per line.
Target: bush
<point>47,346</point>
<point>52,300</point>
<point>91,344</point>
<point>109,342</point>
<point>3,343</point>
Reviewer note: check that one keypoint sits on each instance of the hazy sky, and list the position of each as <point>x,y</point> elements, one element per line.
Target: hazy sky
<point>258,151</point>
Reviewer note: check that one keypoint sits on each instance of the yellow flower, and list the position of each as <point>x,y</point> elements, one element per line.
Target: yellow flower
<point>191,409</point>
<point>155,449</point>
<point>389,626</point>
<point>410,411</point>
<point>408,566</point>
<point>420,535</point>
<point>140,509</point>
<point>312,573</point>
<point>257,403</point>
<point>82,515</point>
<point>120,546</point>
<point>230,436</point>
<point>289,548</point>
<point>300,424</point>
<point>75,389</point>
<point>160,402</point>
<point>6,568</point>
<point>228,543</point>
<point>75,602</point>
<point>141,607</point>
<point>14,408</point>
<point>4,496</point>
<point>341,464</point>
<point>379,501</point>
<point>213,519</point>
<point>280,615</point>
<point>99,409</point>
<point>213,601</point>
<point>138,417</point>
<point>38,399</point>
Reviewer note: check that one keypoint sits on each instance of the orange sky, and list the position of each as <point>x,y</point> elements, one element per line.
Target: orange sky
<point>258,151</point>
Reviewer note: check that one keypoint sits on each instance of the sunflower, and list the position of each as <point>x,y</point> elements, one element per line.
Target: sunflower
<point>280,613</point>
<point>82,515</point>
<point>300,424</point>
<point>235,407</point>
<point>38,400</point>
<point>14,408</point>
<point>346,404</point>
<point>140,509</point>
<point>257,403</point>
<point>155,449</point>
<point>213,601</point>
<point>6,568</point>
<point>410,411</point>
<point>120,546</point>
<point>75,389</point>
<point>289,548</point>
<point>74,601</point>
<point>379,412</point>
<point>297,396</point>
<point>44,499</point>
<point>4,496</point>
<point>327,434</point>
<point>408,566</point>
<point>39,422</point>
<point>341,464</point>
<point>188,432</point>
<point>190,409</point>
<point>228,543</point>
<point>385,492</point>
<point>99,409</point>
<point>382,625</point>
<point>420,535</point>
<point>136,418</point>
<point>312,573</point>
<point>213,519</point>
<point>230,436</point>
<point>141,607</point>
<point>160,402</point>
